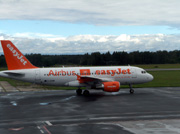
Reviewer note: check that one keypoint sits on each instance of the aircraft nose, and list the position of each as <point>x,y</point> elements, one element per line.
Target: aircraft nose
<point>150,77</point>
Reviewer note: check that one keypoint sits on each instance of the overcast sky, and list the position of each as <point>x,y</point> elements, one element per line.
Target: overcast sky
<point>80,26</point>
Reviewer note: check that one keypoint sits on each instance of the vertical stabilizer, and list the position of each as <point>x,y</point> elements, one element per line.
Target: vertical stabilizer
<point>14,58</point>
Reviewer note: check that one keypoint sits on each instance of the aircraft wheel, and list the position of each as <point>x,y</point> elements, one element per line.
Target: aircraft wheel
<point>86,93</point>
<point>79,91</point>
<point>131,91</point>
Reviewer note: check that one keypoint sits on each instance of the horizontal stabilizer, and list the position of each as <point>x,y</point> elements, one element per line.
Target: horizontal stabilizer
<point>15,74</point>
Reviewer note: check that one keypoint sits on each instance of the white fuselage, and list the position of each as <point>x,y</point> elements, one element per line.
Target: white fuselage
<point>68,76</point>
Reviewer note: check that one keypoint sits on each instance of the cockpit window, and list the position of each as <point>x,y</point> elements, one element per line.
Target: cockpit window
<point>143,72</point>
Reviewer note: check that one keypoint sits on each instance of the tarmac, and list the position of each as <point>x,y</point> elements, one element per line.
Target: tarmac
<point>147,111</point>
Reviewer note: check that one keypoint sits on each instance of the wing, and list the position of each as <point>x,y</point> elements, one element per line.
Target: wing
<point>87,80</point>
<point>90,79</point>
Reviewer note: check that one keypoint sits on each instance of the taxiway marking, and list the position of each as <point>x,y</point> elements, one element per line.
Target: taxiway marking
<point>40,129</point>
<point>46,130</point>
<point>48,123</point>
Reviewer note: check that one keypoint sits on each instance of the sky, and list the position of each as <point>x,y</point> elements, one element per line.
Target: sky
<point>86,26</point>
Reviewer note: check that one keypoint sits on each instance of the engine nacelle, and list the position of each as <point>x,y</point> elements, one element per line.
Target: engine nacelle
<point>113,86</point>
<point>75,84</point>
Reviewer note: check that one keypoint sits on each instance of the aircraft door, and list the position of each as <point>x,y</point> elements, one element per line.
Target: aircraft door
<point>134,75</point>
<point>37,76</point>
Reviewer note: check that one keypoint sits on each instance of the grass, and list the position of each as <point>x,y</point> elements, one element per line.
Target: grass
<point>158,66</point>
<point>161,78</point>
<point>15,82</point>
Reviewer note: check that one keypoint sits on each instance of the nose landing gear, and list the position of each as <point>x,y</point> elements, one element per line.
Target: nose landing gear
<point>131,90</point>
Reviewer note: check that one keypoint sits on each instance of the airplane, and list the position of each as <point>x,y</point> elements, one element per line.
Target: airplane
<point>107,78</point>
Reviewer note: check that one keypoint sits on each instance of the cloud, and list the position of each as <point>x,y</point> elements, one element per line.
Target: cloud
<point>80,44</point>
<point>106,12</point>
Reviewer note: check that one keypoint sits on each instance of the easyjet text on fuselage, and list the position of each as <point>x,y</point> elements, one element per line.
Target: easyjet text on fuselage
<point>117,71</point>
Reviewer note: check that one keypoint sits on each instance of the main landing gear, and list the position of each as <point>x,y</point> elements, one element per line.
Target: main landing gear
<point>131,90</point>
<point>79,92</point>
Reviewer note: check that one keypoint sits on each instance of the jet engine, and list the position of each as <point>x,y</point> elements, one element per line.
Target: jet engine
<point>113,86</point>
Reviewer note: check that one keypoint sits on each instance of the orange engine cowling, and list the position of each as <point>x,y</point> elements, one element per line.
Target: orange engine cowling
<point>113,86</point>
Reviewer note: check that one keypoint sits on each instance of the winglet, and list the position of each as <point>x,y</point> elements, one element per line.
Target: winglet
<point>14,58</point>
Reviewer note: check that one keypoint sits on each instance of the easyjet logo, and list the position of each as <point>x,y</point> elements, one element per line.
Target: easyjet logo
<point>113,72</point>
<point>17,55</point>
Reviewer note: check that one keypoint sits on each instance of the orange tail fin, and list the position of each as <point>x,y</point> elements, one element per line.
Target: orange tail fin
<point>14,58</point>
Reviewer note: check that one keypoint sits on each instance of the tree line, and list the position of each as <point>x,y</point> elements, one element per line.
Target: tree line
<point>103,59</point>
